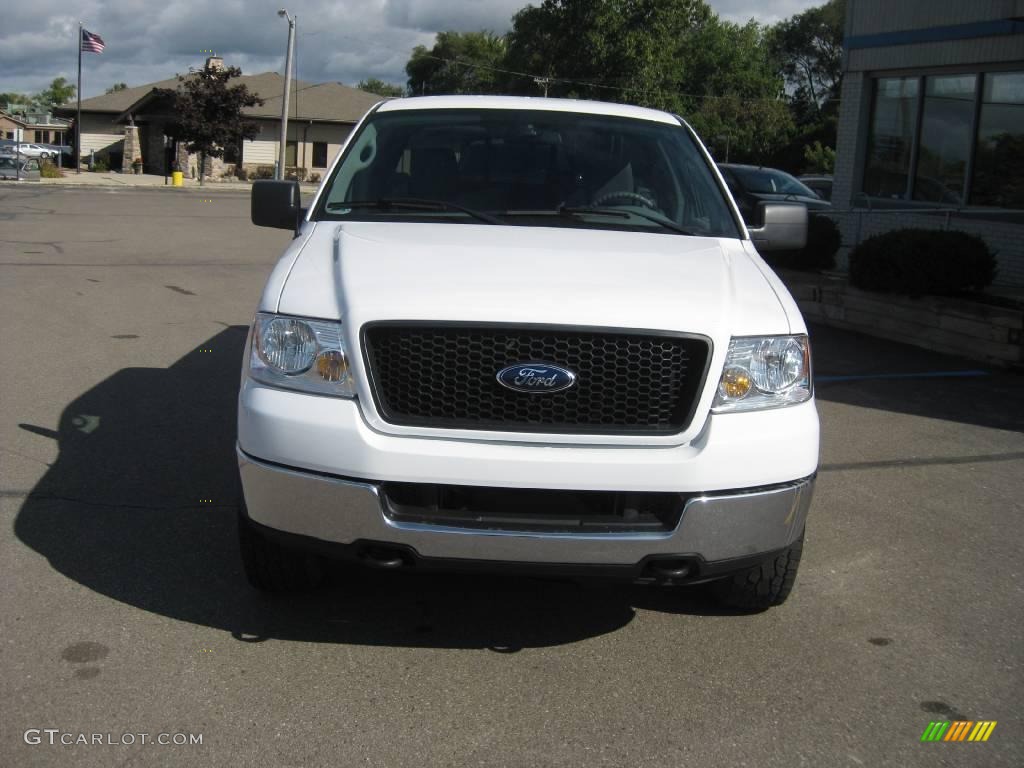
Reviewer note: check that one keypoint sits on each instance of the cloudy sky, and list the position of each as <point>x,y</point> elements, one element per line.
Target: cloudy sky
<point>342,40</point>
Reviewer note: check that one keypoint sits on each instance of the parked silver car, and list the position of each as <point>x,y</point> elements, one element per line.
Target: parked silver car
<point>32,150</point>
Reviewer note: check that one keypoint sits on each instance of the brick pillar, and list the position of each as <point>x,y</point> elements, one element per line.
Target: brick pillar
<point>132,148</point>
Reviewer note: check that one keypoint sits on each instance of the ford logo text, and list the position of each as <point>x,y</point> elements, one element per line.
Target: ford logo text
<point>536,377</point>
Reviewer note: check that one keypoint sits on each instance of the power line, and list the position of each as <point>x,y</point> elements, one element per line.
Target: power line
<point>546,80</point>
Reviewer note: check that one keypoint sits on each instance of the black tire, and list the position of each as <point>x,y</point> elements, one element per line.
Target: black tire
<point>764,585</point>
<point>271,567</point>
<point>44,155</point>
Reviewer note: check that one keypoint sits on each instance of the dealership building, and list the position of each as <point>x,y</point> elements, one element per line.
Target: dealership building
<point>931,126</point>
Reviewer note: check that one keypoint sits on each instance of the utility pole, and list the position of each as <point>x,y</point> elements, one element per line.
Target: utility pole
<point>287,91</point>
<point>78,118</point>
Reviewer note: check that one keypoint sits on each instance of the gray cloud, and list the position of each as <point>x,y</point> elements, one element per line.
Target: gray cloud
<point>341,40</point>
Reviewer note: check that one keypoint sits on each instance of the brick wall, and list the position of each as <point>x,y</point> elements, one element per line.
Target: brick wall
<point>848,138</point>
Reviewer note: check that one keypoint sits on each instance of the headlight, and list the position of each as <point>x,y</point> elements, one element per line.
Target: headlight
<point>296,353</point>
<point>764,372</point>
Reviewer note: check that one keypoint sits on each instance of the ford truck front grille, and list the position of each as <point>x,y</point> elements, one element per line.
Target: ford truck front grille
<point>445,375</point>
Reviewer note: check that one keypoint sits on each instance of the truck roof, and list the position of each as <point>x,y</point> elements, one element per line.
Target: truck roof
<point>527,102</point>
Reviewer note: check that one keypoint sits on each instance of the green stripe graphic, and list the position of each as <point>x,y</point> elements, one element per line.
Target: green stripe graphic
<point>935,731</point>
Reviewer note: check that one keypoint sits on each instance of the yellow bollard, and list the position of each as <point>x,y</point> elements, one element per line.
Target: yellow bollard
<point>177,179</point>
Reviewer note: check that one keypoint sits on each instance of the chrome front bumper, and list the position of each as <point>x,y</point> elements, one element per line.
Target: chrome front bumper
<point>715,526</point>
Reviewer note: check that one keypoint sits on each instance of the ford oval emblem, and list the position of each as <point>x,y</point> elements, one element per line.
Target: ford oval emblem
<point>536,377</point>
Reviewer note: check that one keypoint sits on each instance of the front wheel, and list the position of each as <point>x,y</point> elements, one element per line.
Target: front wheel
<point>764,585</point>
<point>271,566</point>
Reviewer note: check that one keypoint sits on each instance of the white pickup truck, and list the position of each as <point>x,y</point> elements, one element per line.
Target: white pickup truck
<point>533,335</point>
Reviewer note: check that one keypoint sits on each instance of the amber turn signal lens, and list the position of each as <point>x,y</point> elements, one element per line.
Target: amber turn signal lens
<point>332,366</point>
<point>735,383</point>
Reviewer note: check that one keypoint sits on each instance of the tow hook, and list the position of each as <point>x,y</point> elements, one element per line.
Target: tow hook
<point>670,570</point>
<point>383,557</point>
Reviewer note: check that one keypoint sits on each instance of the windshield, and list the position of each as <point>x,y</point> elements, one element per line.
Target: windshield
<point>769,180</point>
<point>527,168</point>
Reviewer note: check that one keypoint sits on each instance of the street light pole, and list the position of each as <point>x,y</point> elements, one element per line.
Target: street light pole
<point>287,90</point>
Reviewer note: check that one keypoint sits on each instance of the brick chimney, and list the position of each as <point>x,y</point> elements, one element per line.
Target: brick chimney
<point>215,63</point>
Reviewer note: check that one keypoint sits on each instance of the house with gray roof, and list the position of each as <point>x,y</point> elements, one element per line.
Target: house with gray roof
<point>121,126</point>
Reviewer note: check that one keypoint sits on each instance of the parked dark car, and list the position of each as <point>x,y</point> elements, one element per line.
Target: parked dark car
<point>751,185</point>
<point>820,184</point>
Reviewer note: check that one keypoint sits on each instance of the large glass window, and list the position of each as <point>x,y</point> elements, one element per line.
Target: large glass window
<point>892,137</point>
<point>945,144</point>
<point>956,126</point>
<point>999,159</point>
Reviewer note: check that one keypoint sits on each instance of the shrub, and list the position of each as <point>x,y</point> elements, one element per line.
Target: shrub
<point>922,261</point>
<point>100,166</point>
<point>292,173</point>
<point>823,240</point>
<point>314,178</point>
<point>49,171</point>
<point>241,174</point>
<point>264,172</point>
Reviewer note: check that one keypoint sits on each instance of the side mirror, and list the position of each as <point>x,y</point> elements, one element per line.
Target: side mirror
<point>276,204</point>
<point>784,227</point>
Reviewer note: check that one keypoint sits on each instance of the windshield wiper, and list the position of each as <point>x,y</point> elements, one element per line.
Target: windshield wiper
<point>410,203</point>
<point>666,223</point>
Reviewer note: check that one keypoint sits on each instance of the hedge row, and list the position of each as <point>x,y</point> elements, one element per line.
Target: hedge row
<point>919,262</point>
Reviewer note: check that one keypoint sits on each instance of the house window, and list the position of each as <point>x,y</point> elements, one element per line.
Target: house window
<point>42,137</point>
<point>892,137</point>
<point>319,154</point>
<point>291,153</point>
<point>999,154</point>
<point>948,139</point>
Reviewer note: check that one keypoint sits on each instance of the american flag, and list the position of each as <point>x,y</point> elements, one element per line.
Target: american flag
<point>92,43</point>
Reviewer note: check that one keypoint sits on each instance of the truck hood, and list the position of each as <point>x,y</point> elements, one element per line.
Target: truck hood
<point>364,271</point>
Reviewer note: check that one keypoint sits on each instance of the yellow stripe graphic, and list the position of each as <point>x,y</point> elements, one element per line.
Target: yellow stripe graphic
<point>981,726</point>
<point>988,731</point>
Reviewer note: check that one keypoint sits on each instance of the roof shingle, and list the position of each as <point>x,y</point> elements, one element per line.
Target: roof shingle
<point>329,102</point>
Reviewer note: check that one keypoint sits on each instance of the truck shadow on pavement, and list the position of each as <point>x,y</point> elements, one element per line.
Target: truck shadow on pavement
<point>140,506</point>
<point>886,375</point>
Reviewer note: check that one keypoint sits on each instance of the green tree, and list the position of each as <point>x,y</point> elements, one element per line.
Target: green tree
<point>809,49</point>
<point>604,49</point>
<point>734,92</point>
<point>117,87</point>
<point>819,158</point>
<point>675,55</point>
<point>379,87</point>
<point>60,92</point>
<point>13,99</point>
<point>209,112</point>
<point>459,62</point>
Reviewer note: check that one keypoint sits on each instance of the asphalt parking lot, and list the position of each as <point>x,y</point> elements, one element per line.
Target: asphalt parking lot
<point>123,609</point>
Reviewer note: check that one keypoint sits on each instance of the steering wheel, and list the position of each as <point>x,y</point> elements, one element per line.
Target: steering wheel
<point>633,196</point>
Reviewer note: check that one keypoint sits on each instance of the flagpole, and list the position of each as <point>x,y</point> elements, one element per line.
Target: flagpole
<point>78,120</point>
